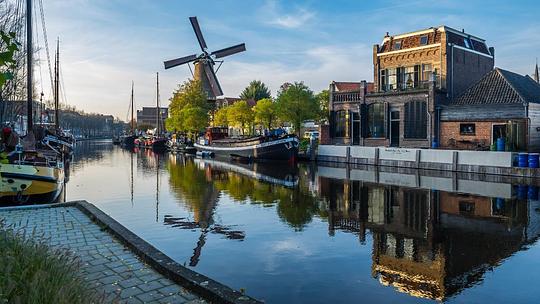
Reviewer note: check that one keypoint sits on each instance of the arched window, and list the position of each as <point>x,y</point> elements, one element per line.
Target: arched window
<point>416,120</point>
<point>375,119</point>
<point>342,124</point>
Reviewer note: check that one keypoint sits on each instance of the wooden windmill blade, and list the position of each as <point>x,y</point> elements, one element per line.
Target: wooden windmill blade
<point>229,51</point>
<point>212,79</point>
<point>198,33</point>
<point>179,61</point>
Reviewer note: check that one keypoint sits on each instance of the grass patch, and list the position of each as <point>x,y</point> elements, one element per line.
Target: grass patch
<point>33,272</point>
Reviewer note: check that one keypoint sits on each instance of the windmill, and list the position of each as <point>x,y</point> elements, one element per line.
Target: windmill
<point>204,63</point>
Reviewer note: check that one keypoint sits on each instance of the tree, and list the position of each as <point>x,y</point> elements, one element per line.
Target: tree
<point>7,62</point>
<point>188,98</point>
<point>323,98</point>
<point>256,90</point>
<point>265,113</point>
<point>240,115</point>
<point>296,103</point>
<point>220,117</point>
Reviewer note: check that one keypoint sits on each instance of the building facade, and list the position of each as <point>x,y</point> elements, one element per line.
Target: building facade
<point>414,75</point>
<point>502,104</point>
<point>148,116</point>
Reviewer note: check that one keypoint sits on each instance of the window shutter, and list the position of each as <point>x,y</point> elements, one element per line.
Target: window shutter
<point>363,120</point>
<point>332,123</point>
<point>386,120</point>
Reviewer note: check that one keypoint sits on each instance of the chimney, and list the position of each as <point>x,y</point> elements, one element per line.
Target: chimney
<point>463,30</point>
<point>492,51</point>
<point>387,35</point>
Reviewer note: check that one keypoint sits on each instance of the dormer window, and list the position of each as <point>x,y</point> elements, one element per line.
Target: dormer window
<point>467,43</point>
<point>396,46</point>
<point>424,40</point>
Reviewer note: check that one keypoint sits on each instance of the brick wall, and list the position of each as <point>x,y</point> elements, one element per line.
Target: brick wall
<point>452,139</point>
<point>324,135</point>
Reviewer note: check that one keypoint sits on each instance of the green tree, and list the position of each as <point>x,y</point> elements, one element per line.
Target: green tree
<point>189,98</point>
<point>8,46</point>
<point>256,90</point>
<point>265,113</point>
<point>240,115</point>
<point>220,117</point>
<point>296,103</point>
<point>323,98</point>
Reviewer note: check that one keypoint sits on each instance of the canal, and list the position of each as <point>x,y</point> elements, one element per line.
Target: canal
<point>323,234</point>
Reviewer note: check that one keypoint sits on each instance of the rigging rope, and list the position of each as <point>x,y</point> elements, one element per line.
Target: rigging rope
<point>46,42</point>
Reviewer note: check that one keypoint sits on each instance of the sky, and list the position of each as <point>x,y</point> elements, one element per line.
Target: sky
<point>107,44</point>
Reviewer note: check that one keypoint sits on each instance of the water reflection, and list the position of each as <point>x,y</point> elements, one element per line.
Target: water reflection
<point>320,234</point>
<point>426,243</point>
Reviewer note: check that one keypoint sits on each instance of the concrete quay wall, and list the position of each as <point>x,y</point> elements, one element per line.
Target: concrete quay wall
<point>482,162</point>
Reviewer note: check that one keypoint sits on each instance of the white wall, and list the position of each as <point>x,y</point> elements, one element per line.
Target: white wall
<point>397,154</point>
<point>436,156</point>
<point>485,158</point>
<point>328,150</point>
<point>363,152</point>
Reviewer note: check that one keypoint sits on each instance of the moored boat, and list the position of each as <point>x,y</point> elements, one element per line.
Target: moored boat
<point>283,148</point>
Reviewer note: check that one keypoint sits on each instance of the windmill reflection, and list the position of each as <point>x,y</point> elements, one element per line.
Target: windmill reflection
<point>427,243</point>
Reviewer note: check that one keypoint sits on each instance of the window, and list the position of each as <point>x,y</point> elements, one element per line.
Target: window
<point>467,129</point>
<point>424,40</point>
<point>426,72</point>
<point>466,208</point>
<point>383,81</point>
<point>415,120</point>
<point>375,118</point>
<point>396,46</point>
<point>392,79</point>
<point>408,80</point>
<point>342,124</point>
<point>467,43</point>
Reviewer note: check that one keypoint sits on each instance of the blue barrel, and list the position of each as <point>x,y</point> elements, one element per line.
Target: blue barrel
<point>523,160</point>
<point>533,193</point>
<point>522,192</point>
<point>533,160</point>
<point>501,143</point>
<point>434,144</point>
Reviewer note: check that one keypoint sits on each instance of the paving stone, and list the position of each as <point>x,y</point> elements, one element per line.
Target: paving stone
<point>109,267</point>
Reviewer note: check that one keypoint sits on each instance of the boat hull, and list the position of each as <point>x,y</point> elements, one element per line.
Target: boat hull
<point>27,184</point>
<point>285,149</point>
<point>129,141</point>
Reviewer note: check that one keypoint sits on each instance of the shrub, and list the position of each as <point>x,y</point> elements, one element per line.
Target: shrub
<point>33,272</point>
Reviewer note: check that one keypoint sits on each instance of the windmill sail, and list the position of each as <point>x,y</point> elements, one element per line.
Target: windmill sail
<point>198,33</point>
<point>229,51</point>
<point>212,79</point>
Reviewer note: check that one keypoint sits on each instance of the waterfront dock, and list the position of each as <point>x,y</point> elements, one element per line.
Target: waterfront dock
<point>480,162</point>
<point>114,261</point>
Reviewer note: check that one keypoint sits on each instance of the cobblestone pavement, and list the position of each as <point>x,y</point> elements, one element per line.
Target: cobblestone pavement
<point>107,264</point>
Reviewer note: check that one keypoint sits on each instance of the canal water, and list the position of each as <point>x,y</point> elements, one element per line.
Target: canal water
<point>323,234</point>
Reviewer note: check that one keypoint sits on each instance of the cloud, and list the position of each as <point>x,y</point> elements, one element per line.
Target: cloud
<point>278,18</point>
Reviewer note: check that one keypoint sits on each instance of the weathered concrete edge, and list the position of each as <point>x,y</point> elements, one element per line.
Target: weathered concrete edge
<point>196,282</point>
<point>193,281</point>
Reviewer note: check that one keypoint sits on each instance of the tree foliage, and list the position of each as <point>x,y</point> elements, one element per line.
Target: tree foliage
<point>256,90</point>
<point>296,103</point>
<point>323,98</point>
<point>188,108</point>
<point>221,117</point>
<point>8,47</point>
<point>240,115</point>
<point>265,113</point>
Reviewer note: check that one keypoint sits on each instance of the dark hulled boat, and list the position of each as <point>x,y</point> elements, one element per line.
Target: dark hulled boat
<point>253,148</point>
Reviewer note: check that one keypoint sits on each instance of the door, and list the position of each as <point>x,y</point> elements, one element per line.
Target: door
<point>394,128</point>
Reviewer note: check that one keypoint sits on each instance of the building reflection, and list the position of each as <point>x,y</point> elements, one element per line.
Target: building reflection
<point>427,243</point>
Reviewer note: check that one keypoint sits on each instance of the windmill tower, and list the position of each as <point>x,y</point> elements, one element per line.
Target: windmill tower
<point>205,62</point>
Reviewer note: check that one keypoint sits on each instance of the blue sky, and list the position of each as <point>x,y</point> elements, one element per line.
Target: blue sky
<point>107,43</point>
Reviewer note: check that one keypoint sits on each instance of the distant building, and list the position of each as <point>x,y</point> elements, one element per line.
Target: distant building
<point>502,104</point>
<point>414,75</point>
<point>147,116</point>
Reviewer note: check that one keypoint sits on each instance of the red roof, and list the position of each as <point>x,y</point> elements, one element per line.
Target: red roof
<point>347,86</point>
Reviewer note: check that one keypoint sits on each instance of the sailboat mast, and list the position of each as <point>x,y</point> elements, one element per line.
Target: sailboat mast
<point>29,63</point>
<point>56,86</point>
<point>158,110</point>
<point>132,119</point>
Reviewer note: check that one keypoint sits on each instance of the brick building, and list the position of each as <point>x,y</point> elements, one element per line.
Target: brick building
<point>414,75</point>
<point>501,104</point>
<point>147,116</point>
